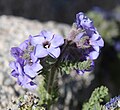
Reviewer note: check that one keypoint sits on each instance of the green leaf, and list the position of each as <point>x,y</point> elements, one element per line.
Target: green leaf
<point>97,96</point>
<point>67,67</point>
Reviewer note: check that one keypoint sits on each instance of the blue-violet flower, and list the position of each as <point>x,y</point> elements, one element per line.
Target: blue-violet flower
<point>27,65</point>
<point>47,43</point>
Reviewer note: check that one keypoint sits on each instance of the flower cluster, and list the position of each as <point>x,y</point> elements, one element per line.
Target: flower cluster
<point>83,44</point>
<point>89,37</point>
<point>27,56</point>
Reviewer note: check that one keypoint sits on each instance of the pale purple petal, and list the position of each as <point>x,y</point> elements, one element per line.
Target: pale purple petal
<point>20,80</point>
<point>93,55</point>
<point>16,66</point>
<point>13,65</point>
<point>86,23</point>
<point>24,45</point>
<point>36,66</point>
<point>14,73</point>
<point>28,71</point>
<point>37,40</point>
<point>95,36</point>
<point>93,43</point>
<point>20,71</point>
<point>57,41</point>
<point>47,35</point>
<point>40,52</point>
<point>33,57</point>
<point>54,52</point>
<point>23,79</point>
<point>96,48</point>
<point>32,70</point>
<point>100,42</point>
<point>26,82</point>
<point>31,85</point>
<point>80,15</point>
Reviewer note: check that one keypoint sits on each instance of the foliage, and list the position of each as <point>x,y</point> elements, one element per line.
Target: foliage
<point>96,98</point>
<point>68,66</point>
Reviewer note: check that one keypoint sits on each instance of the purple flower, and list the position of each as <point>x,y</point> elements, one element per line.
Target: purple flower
<point>27,65</point>
<point>47,43</point>
<point>22,78</point>
<point>91,41</point>
<point>83,22</point>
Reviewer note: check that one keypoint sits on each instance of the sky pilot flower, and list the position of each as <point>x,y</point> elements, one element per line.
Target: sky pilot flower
<point>89,39</point>
<point>91,42</point>
<point>26,66</point>
<point>22,78</point>
<point>84,44</point>
<point>47,43</point>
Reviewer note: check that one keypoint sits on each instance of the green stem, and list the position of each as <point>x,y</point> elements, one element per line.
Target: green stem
<point>52,74</point>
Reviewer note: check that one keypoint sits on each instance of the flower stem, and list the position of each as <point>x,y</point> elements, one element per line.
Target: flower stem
<point>52,74</point>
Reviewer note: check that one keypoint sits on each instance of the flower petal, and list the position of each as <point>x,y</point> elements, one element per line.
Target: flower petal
<point>24,45</point>
<point>16,66</point>
<point>33,57</point>
<point>47,35</point>
<point>37,40</point>
<point>100,42</point>
<point>93,55</point>
<point>96,48</point>
<point>80,15</point>
<point>16,52</point>
<point>32,70</point>
<point>93,43</point>
<point>54,52</point>
<point>31,85</point>
<point>23,79</point>
<point>40,52</point>
<point>12,65</point>
<point>14,73</point>
<point>95,36</point>
<point>36,66</point>
<point>57,41</point>
<point>20,71</point>
<point>86,23</point>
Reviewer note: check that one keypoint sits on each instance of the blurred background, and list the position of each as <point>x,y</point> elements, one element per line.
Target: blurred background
<point>60,14</point>
<point>58,10</point>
